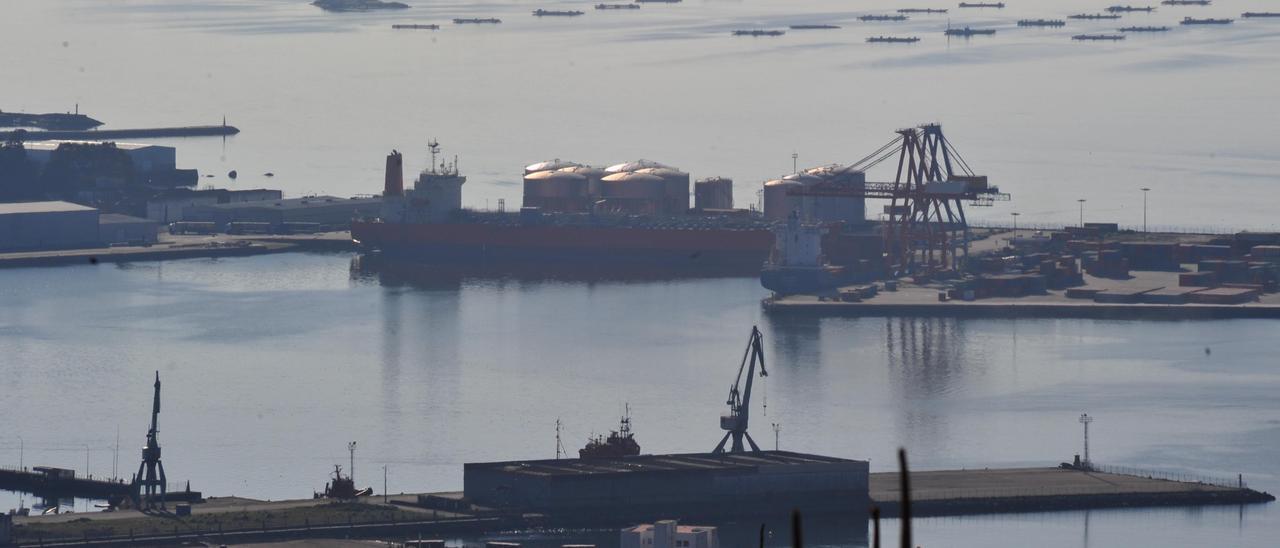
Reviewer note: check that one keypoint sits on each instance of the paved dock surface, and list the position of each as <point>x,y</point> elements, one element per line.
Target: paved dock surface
<point>922,300</point>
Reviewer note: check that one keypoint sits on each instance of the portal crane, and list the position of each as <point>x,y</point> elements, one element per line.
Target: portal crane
<point>735,422</point>
<point>925,224</point>
<point>153,482</point>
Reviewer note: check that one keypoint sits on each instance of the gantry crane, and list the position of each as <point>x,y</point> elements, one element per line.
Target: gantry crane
<point>924,223</point>
<point>735,421</point>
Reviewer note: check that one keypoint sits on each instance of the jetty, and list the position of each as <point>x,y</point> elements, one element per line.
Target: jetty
<point>110,134</point>
<point>232,520</point>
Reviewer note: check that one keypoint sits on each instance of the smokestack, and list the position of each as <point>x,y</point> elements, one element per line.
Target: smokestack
<point>395,175</point>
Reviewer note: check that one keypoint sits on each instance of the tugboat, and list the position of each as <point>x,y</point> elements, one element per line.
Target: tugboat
<point>342,487</point>
<point>619,443</point>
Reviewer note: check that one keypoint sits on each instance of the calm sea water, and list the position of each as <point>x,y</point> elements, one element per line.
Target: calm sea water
<point>272,364</point>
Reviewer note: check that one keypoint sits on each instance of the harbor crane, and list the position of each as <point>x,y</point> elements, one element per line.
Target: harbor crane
<point>735,421</point>
<point>924,224</point>
<point>154,481</point>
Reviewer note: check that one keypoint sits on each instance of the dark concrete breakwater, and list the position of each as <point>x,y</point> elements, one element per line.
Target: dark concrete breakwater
<point>109,134</point>
<point>431,515</point>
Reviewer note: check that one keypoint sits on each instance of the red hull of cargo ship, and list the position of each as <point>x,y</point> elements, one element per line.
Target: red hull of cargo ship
<point>680,247</point>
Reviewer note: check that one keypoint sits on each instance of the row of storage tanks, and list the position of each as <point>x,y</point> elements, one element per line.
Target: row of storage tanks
<point>640,187</point>
<point>781,196</point>
<point>648,187</point>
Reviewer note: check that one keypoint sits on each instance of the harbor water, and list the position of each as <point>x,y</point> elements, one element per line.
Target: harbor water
<point>272,364</point>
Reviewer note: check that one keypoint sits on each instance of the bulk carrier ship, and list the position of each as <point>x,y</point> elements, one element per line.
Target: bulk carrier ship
<point>634,215</point>
<point>627,217</point>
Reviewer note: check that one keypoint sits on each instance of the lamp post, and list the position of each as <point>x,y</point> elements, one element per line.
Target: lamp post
<point>86,460</point>
<point>1082,201</point>
<point>776,428</point>
<point>1085,419</point>
<point>1015,225</point>
<point>1145,190</point>
<point>22,448</point>
<point>384,484</point>
<point>795,167</point>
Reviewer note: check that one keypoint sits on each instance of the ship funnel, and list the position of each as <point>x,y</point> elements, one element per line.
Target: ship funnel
<point>395,175</point>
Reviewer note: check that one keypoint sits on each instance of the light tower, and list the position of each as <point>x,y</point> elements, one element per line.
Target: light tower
<point>151,478</point>
<point>1145,190</point>
<point>1085,419</point>
<point>351,472</point>
<point>1082,201</point>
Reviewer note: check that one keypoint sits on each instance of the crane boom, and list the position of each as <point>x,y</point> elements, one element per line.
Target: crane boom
<point>736,421</point>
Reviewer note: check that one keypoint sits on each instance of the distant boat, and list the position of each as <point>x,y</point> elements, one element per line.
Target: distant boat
<point>1209,21</point>
<point>617,6</point>
<point>1144,29</point>
<point>883,18</point>
<point>893,39</point>
<point>967,32</point>
<point>997,5</point>
<point>813,27</point>
<point>417,27</point>
<point>1186,2</point>
<point>921,10</point>
<point>358,5</point>
<point>1098,37</point>
<point>477,20</point>
<point>1252,14</point>
<point>759,32</point>
<point>1092,16</point>
<point>556,13</point>
<point>658,1</point>
<point>1042,23</point>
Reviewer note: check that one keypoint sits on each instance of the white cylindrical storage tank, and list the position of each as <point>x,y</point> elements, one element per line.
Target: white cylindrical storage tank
<point>777,204</point>
<point>556,191</point>
<point>593,175</point>
<point>713,193</point>
<point>633,192</point>
<point>636,166</point>
<point>676,200</point>
<point>549,165</point>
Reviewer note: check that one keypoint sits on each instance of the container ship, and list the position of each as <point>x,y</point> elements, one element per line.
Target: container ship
<point>635,213</point>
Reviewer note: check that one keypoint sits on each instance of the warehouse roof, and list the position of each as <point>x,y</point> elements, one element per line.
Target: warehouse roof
<point>41,207</point>
<point>657,463</point>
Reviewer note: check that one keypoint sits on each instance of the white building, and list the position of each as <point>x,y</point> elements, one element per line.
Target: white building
<point>670,534</point>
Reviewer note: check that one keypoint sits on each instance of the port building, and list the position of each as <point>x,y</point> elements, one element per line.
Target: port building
<point>669,534</point>
<point>31,226</point>
<point>171,206</point>
<point>684,486</point>
<point>146,158</point>
<point>114,228</point>
<point>328,211</point>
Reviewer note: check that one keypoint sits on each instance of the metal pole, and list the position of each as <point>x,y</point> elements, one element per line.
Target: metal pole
<point>384,484</point>
<point>1145,190</point>
<point>795,168</point>
<point>1082,200</point>
<point>1015,224</point>
<point>351,472</point>
<point>86,460</point>
<point>22,449</point>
